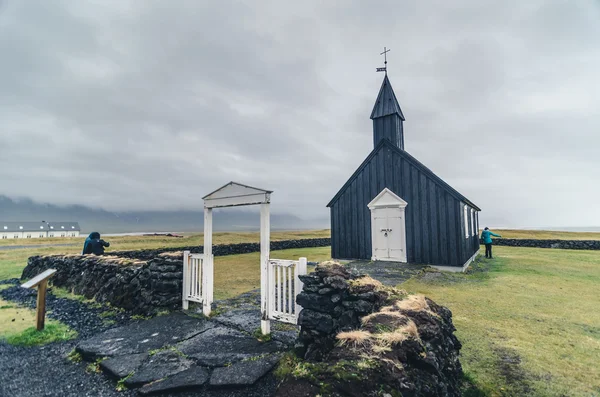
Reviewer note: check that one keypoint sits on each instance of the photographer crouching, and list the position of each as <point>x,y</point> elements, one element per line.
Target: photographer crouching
<point>94,245</point>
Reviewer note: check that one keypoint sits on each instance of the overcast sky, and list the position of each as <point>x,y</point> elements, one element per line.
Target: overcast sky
<point>152,104</point>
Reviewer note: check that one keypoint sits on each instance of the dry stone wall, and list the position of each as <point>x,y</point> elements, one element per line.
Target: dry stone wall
<point>559,244</point>
<point>360,338</point>
<point>230,249</point>
<point>143,281</point>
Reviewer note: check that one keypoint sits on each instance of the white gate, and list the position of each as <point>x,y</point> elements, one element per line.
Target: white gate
<point>197,280</point>
<point>284,285</point>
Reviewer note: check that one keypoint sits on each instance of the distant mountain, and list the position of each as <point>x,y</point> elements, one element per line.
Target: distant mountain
<point>91,219</point>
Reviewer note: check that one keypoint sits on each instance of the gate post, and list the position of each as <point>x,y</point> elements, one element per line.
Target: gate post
<point>207,264</point>
<point>265,238</point>
<point>300,270</point>
<point>186,279</point>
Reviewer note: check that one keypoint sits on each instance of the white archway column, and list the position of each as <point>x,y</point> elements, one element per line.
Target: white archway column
<point>208,269</point>
<point>265,238</point>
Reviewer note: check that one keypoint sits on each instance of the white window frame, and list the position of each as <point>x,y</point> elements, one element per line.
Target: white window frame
<point>472,222</point>
<point>466,216</point>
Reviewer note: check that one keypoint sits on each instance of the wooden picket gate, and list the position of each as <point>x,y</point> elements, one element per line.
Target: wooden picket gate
<point>284,284</point>
<point>197,279</point>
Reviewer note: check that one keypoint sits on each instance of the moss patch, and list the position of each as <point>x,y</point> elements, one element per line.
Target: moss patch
<point>51,333</point>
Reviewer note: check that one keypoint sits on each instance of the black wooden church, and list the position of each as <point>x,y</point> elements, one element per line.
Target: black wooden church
<point>394,208</point>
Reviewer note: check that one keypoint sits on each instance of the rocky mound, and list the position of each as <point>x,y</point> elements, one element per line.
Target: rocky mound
<point>404,345</point>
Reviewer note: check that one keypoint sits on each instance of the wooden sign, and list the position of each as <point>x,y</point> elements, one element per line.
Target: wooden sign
<point>41,282</point>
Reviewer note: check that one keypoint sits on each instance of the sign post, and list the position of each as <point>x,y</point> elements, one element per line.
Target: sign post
<point>41,282</point>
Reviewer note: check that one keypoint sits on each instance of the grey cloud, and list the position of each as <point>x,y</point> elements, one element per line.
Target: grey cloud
<point>122,104</point>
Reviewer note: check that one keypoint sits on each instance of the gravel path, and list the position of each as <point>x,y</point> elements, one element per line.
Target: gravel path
<point>46,371</point>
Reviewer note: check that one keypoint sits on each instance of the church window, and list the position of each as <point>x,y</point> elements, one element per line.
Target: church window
<point>466,217</point>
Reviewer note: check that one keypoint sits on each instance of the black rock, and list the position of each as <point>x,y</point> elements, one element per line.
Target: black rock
<point>337,282</point>
<point>316,302</point>
<point>221,346</point>
<point>359,306</point>
<point>143,336</point>
<point>163,364</point>
<point>315,320</point>
<point>190,378</point>
<point>243,373</point>
<point>121,366</point>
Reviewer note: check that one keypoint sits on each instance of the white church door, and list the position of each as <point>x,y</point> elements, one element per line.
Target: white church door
<point>388,228</point>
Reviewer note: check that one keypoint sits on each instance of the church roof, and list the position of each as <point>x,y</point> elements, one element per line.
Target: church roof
<point>386,102</point>
<point>414,162</point>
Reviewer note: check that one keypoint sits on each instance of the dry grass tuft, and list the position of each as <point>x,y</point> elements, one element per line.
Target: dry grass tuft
<point>174,254</point>
<point>355,338</point>
<point>364,284</point>
<point>384,317</point>
<point>399,335</point>
<point>413,302</point>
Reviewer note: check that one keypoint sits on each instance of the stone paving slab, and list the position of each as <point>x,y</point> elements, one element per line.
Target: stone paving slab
<point>244,319</point>
<point>161,365</point>
<point>220,346</point>
<point>243,373</point>
<point>179,353</point>
<point>143,336</point>
<point>121,366</point>
<point>191,378</point>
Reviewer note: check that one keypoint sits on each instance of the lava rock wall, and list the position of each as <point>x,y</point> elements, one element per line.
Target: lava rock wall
<point>143,281</point>
<point>139,286</point>
<point>560,244</point>
<point>360,338</point>
<point>230,249</point>
<point>329,307</point>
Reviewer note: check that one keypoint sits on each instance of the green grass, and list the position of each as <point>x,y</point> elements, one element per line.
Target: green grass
<point>17,327</point>
<point>236,274</point>
<point>528,320</point>
<point>52,332</point>
<point>546,234</point>
<point>12,262</point>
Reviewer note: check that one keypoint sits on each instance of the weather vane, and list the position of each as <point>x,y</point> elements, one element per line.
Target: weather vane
<point>384,53</point>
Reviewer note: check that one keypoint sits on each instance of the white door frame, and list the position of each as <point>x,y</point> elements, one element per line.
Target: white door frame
<point>388,199</point>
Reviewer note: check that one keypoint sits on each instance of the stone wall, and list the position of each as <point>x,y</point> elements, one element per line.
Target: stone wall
<point>361,338</point>
<point>560,244</point>
<point>144,287</point>
<point>143,281</point>
<point>221,250</point>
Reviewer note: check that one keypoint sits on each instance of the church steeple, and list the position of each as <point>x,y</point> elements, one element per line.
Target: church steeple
<point>387,116</point>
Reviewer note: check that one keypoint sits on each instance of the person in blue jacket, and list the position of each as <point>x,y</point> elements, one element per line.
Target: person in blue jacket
<point>486,236</point>
<point>94,245</point>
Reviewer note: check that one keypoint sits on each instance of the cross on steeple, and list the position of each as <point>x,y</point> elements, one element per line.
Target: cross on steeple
<point>384,53</point>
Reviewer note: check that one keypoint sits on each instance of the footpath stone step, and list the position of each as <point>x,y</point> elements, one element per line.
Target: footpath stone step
<point>243,373</point>
<point>121,366</point>
<point>143,336</point>
<point>193,377</point>
<point>220,346</point>
<point>161,365</point>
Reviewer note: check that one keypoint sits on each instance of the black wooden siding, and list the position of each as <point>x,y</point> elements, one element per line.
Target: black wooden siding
<point>435,225</point>
<point>388,127</point>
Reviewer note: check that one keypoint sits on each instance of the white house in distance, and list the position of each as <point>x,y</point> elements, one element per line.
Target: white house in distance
<point>38,229</point>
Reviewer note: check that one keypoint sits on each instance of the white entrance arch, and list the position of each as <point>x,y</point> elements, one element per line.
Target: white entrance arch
<point>199,268</point>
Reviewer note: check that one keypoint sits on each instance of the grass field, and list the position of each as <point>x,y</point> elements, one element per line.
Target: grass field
<point>529,321</point>
<point>13,261</point>
<point>121,243</point>
<point>546,234</point>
